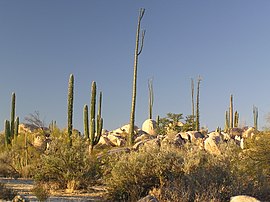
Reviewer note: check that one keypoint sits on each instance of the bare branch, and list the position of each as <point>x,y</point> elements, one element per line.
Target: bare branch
<point>142,42</point>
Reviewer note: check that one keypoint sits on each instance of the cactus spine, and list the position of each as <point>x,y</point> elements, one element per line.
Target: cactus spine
<point>138,51</point>
<point>231,112</point>
<point>255,117</point>
<point>86,121</point>
<point>151,98</point>
<point>12,115</point>
<point>70,107</point>
<point>96,124</point>
<point>198,105</point>
<point>7,133</point>
<point>236,119</point>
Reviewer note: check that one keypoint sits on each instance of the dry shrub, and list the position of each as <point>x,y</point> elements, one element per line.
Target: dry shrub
<point>6,193</point>
<point>41,192</point>
<point>183,174</point>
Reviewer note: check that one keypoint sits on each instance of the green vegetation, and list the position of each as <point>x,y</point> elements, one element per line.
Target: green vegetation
<point>151,98</point>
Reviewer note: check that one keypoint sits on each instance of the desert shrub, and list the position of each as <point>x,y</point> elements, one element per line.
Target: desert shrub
<point>183,174</point>
<point>41,192</point>
<point>67,166</point>
<point>6,193</point>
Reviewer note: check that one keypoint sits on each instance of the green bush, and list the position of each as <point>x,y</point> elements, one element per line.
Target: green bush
<point>68,166</point>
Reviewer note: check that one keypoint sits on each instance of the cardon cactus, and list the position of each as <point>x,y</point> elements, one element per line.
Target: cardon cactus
<point>86,122</point>
<point>96,124</point>
<point>12,115</point>
<point>70,107</point>
<point>7,133</point>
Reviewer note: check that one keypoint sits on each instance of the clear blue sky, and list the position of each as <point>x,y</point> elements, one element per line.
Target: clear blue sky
<point>226,42</point>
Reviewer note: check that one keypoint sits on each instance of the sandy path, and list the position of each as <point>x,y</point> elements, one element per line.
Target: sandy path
<point>24,186</point>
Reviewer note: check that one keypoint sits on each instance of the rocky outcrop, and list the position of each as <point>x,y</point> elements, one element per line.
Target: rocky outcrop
<point>148,198</point>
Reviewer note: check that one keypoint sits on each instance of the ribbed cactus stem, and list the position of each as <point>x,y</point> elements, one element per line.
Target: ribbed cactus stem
<point>96,123</point>
<point>236,119</point>
<point>16,129</point>
<point>7,133</point>
<point>157,120</point>
<point>226,121</point>
<point>12,115</point>
<point>70,107</point>
<point>86,121</point>
<point>255,117</point>
<point>138,51</point>
<point>151,98</point>
<point>231,111</point>
<point>192,104</point>
<point>198,105</point>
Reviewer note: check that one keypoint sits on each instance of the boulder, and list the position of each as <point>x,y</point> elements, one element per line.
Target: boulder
<point>173,140</point>
<point>211,146</point>
<point>116,140</point>
<point>19,198</point>
<point>216,136</point>
<point>250,132</point>
<point>243,198</point>
<point>124,130</point>
<point>149,126</point>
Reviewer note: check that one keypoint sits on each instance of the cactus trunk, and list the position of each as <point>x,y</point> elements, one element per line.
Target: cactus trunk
<point>134,87</point>
<point>70,107</point>
<point>96,124</point>
<point>198,105</point>
<point>151,98</point>
<point>192,104</point>
<point>231,112</point>
<point>255,117</point>
<point>7,133</point>
<point>86,121</point>
<point>12,115</point>
<point>16,129</point>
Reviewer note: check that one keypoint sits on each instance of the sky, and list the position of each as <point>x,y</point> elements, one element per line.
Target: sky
<point>227,43</point>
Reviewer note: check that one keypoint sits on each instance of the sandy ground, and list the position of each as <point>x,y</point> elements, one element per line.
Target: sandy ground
<point>24,186</point>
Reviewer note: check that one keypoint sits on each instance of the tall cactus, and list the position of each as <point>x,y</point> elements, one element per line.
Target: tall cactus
<point>227,121</point>
<point>236,119</point>
<point>70,107</point>
<point>192,104</point>
<point>16,129</point>
<point>7,133</point>
<point>86,121</point>
<point>198,105</point>
<point>231,112</point>
<point>138,51</point>
<point>151,98</point>
<point>255,117</point>
<point>96,124</point>
<point>12,115</point>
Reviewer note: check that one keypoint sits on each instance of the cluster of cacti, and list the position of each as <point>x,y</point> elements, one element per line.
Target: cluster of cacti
<point>96,123</point>
<point>12,126</point>
<point>255,117</point>
<point>151,98</point>
<point>138,51</point>
<point>70,107</point>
